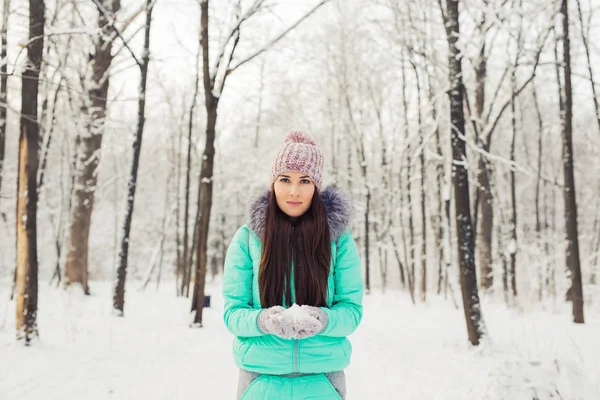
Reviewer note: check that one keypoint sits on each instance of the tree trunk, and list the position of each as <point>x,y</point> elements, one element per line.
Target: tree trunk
<point>163,234</point>
<point>486,225</point>
<point>3,85</point>
<point>596,250</point>
<point>486,222</point>
<point>187,254</point>
<point>185,281</point>
<point>411,231</point>
<point>27,261</point>
<point>572,250</point>
<point>513,194</point>
<point>76,268</point>
<point>260,109</point>
<point>399,260</point>
<point>349,173</point>
<point>178,262</point>
<point>206,174</point>
<point>195,242</point>
<point>423,193</point>
<point>586,46</point>
<point>466,256</point>
<point>119,293</point>
<point>438,220</point>
<point>204,205</point>
<point>538,219</point>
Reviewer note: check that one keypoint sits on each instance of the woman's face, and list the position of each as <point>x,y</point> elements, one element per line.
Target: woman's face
<point>294,192</point>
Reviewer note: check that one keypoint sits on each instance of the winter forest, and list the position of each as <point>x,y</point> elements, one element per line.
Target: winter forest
<point>134,133</point>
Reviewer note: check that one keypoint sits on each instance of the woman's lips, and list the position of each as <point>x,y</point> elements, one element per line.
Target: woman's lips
<point>294,203</point>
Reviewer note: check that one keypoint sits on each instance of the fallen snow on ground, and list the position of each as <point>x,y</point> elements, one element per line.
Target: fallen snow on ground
<point>401,351</point>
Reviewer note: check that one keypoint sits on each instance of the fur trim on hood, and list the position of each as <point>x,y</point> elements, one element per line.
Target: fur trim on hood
<point>337,209</point>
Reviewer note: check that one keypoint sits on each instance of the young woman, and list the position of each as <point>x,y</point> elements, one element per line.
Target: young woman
<point>293,284</point>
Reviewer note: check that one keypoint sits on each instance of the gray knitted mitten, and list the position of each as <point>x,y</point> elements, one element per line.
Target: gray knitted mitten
<point>272,321</point>
<point>318,314</point>
<point>305,325</point>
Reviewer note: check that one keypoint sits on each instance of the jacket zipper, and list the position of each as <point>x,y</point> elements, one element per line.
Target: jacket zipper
<point>295,368</point>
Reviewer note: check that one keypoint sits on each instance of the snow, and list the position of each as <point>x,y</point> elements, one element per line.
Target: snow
<point>401,351</point>
<point>296,314</point>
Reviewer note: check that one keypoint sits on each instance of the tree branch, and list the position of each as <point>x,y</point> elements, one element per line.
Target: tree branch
<point>251,11</point>
<point>277,39</point>
<point>111,20</point>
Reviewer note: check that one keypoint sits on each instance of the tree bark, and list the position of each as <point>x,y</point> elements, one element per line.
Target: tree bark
<point>185,281</point>
<point>410,265</point>
<point>187,254</point>
<point>438,220</point>
<point>513,194</point>
<point>88,158</point>
<point>586,46</point>
<point>119,293</point>
<point>206,173</point>
<point>27,261</point>
<point>179,262</point>
<point>596,251</point>
<point>466,256</point>
<point>423,193</point>
<point>486,222</point>
<point>572,250</point>
<point>3,85</point>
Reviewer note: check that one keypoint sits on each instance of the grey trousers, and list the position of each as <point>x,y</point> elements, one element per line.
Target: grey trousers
<point>337,379</point>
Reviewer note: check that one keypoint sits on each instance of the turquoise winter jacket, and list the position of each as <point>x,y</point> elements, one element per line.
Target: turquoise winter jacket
<point>269,354</point>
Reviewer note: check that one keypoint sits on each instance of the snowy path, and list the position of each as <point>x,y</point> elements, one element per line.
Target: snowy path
<point>400,352</point>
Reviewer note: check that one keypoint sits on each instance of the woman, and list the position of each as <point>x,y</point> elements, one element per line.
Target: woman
<point>293,285</point>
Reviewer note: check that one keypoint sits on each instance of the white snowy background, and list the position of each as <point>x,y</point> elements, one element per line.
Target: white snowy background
<point>401,351</point>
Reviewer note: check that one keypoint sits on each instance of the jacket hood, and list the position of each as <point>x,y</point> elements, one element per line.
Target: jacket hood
<point>337,209</point>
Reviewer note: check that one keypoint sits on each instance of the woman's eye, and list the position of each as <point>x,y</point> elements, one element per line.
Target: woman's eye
<point>305,181</point>
<point>284,180</point>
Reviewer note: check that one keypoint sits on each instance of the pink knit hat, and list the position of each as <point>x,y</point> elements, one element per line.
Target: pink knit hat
<point>299,153</point>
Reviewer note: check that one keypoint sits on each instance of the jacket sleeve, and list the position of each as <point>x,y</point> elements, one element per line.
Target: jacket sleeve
<point>346,311</point>
<point>240,316</point>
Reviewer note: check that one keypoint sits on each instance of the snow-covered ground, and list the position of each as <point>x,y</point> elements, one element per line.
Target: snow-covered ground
<point>401,351</point>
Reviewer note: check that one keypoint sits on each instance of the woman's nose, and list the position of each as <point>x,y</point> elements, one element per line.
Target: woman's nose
<point>294,190</point>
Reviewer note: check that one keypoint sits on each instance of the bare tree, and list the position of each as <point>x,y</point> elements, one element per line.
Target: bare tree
<point>585,39</point>
<point>214,82</point>
<point>27,261</point>
<point>3,84</point>
<point>187,254</point>
<point>466,251</point>
<point>513,194</point>
<point>119,292</point>
<point>423,257</point>
<point>572,250</point>
<point>407,185</point>
<point>483,188</point>
<point>89,144</point>
<point>513,191</point>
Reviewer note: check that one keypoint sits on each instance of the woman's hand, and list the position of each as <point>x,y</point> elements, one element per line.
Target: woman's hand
<point>318,314</point>
<point>272,321</point>
<point>297,322</point>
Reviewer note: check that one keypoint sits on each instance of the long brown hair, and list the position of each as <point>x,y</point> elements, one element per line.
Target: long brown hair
<point>305,242</point>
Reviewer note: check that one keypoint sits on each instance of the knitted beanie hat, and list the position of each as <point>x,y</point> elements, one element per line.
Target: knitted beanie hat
<point>299,153</point>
